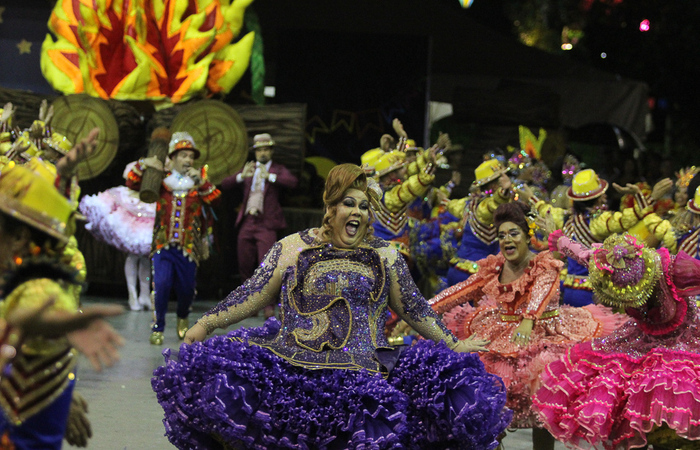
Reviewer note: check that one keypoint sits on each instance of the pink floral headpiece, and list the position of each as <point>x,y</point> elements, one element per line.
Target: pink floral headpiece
<point>615,254</point>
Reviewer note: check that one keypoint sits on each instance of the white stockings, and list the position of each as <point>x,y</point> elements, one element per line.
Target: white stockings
<point>138,267</point>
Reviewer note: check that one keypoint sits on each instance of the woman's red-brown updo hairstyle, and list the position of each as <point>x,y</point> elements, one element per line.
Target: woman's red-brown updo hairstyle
<point>515,212</point>
<point>341,178</point>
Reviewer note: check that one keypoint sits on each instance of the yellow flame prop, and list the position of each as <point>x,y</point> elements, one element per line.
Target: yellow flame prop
<point>165,51</point>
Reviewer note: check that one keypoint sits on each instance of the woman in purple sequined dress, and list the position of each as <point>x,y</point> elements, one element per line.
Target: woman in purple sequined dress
<point>326,377</point>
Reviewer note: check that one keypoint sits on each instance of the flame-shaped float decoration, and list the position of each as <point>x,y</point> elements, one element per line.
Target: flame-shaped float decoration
<point>165,51</point>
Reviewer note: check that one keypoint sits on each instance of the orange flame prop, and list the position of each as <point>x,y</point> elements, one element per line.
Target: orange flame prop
<point>165,51</point>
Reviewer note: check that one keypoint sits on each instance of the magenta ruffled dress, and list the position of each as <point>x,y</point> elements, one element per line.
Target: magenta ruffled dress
<point>641,384</point>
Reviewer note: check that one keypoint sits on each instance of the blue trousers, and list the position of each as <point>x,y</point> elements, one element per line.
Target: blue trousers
<point>172,270</point>
<point>45,429</point>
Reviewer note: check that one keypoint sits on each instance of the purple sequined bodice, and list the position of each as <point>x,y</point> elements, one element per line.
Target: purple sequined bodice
<point>333,310</point>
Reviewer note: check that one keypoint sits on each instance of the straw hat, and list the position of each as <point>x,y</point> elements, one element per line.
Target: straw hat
<point>586,186</point>
<point>31,198</point>
<point>488,171</point>
<point>389,162</point>
<point>693,204</point>
<point>262,140</point>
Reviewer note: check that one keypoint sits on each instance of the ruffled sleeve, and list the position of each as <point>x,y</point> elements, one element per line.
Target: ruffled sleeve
<point>469,289</point>
<point>543,208</point>
<point>544,278</point>
<point>662,230</point>
<point>559,242</point>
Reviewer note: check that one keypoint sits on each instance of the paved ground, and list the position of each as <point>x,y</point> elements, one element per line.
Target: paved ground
<point>123,408</point>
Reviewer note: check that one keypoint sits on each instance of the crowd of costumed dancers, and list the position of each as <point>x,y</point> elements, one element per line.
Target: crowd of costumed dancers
<point>407,319</point>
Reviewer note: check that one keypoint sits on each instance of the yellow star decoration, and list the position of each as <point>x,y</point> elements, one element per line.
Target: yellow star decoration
<point>24,47</point>
<point>2,10</point>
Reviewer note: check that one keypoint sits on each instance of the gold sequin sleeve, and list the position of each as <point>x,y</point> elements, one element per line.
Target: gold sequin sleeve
<point>456,206</point>
<point>487,206</point>
<point>403,194</point>
<point>32,295</point>
<point>415,166</point>
<point>409,304</point>
<point>610,222</point>
<point>663,231</point>
<point>558,214</point>
<point>260,290</point>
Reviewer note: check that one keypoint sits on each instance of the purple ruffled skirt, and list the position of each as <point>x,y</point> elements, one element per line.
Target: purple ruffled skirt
<point>224,393</point>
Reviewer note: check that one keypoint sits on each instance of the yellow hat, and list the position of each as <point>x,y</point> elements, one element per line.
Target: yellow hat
<point>32,199</point>
<point>586,186</point>
<point>693,204</point>
<point>389,162</point>
<point>58,142</point>
<point>488,171</point>
<point>370,157</point>
<point>411,146</point>
<point>42,168</point>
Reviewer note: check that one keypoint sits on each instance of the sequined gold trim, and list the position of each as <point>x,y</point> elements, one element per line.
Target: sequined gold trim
<point>627,296</point>
<point>320,321</point>
<point>319,346</point>
<point>380,307</point>
<point>518,317</point>
<point>33,383</point>
<point>293,360</point>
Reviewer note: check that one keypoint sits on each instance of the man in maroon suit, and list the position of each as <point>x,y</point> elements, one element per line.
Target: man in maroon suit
<point>260,216</point>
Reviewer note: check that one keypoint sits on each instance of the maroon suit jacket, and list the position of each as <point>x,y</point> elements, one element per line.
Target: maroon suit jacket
<point>272,214</point>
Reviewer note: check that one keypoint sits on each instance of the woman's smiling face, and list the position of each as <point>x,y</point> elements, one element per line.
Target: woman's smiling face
<point>513,242</point>
<point>351,219</point>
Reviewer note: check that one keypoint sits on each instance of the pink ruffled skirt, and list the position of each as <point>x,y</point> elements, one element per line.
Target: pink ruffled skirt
<point>627,390</point>
<point>520,366</point>
<point>118,218</point>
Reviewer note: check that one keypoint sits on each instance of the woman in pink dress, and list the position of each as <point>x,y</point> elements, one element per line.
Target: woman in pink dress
<point>119,218</point>
<point>516,295</point>
<point>641,384</point>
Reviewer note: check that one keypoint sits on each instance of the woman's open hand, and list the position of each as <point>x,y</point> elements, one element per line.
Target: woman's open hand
<point>472,344</point>
<point>196,333</point>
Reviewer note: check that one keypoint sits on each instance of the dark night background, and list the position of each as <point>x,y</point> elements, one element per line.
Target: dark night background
<point>370,59</point>
<point>357,64</point>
